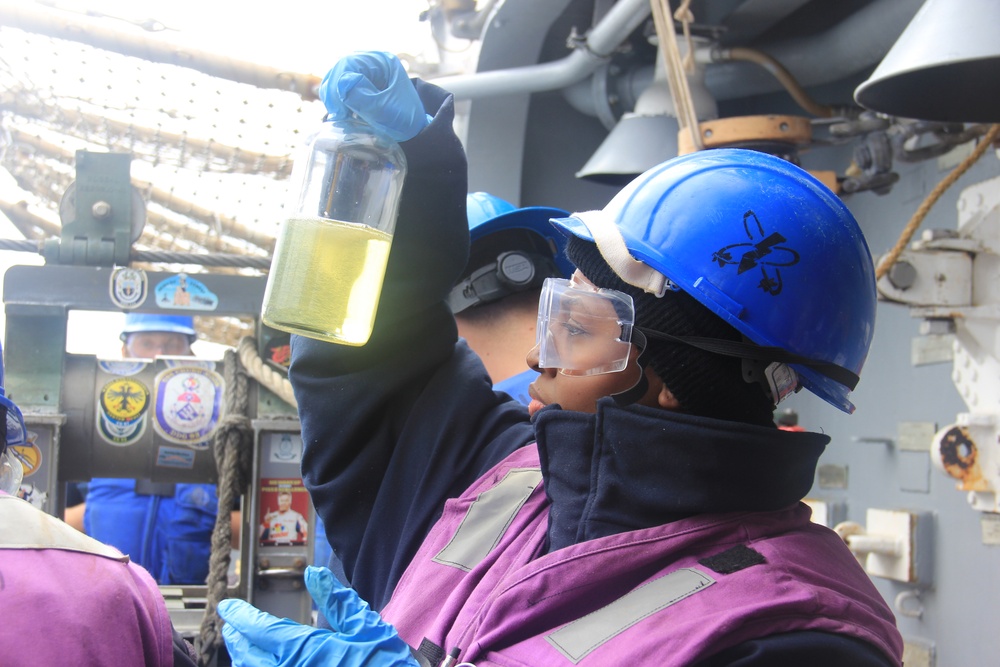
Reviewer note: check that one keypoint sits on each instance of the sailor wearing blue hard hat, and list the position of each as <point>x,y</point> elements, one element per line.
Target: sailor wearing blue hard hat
<point>149,336</point>
<point>165,528</point>
<point>512,251</point>
<point>643,509</point>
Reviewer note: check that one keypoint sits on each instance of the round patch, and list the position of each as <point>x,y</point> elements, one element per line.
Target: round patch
<point>128,287</point>
<point>29,455</point>
<point>188,405</point>
<point>120,434</point>
<point>124,399</point>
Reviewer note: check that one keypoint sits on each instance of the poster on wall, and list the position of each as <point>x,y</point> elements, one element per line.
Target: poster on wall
<point>284,506</point>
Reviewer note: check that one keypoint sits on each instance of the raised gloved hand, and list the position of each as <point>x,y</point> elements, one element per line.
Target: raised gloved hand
<point>258,639</point>
<point>374,85</point>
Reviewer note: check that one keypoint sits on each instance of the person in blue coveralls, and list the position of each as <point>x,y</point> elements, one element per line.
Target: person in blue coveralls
<point>513,250</point>
<point>643,509</point>
<point>166,528</point>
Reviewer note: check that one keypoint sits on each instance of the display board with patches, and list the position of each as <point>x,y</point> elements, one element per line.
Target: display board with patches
<point>144,419</point>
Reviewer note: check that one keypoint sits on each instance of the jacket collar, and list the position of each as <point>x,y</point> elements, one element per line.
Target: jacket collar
<point>636,467</point>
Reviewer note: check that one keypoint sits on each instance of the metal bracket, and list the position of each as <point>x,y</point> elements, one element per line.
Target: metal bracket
<point>101,213</point>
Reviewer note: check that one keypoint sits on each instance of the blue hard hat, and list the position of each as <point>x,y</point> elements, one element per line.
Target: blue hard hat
<point>489,214</point>
<point>142,322</point>
<point>763,245</point>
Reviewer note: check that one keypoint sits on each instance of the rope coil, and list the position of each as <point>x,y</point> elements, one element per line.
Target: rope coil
<point>233,450</point>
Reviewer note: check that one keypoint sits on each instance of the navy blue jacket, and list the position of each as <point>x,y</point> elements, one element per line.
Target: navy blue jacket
<point>394,428</point>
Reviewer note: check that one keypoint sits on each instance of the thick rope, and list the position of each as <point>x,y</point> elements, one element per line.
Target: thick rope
<point>233,449</point>
<point>931,199</point>
<point>265,374</point>
<point>686,18</point>
<point>676,75</point>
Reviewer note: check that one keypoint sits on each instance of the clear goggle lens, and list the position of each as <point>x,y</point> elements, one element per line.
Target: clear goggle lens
<point>583,330</point>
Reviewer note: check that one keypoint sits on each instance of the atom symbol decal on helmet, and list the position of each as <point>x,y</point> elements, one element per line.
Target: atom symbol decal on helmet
<point>762,251</point>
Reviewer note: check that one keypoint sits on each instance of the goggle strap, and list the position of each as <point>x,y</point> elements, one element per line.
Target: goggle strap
<point>638,390</point>
<point>490,282</point>
<point>732,348</point>
<point>608,238</point>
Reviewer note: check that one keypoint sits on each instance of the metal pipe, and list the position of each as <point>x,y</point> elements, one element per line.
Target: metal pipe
<point>598,45</point>
<point>847,48</point>
<point>858,42</point>
<point>855,43</point>
<point>784,77</point>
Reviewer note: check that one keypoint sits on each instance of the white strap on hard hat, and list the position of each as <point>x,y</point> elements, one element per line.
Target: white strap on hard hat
<point>612,247</point>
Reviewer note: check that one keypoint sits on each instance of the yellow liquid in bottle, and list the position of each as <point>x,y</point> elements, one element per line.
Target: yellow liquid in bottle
<point>325,279</point>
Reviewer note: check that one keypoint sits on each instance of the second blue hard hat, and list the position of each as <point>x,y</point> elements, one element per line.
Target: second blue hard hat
<point>147,322</point>
<point>489,214</point>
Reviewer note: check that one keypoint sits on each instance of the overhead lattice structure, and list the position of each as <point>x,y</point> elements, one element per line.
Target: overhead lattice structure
<point>211,156</point>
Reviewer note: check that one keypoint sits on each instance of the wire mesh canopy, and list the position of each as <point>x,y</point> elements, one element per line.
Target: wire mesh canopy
<point>211,156</point>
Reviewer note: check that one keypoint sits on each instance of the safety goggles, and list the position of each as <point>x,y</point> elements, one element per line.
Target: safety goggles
<point>582,329</point>
<point>17,434</point>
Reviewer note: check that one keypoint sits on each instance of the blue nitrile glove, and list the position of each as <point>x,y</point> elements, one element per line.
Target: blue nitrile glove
<point>258,639</point>
<point>374,85</point>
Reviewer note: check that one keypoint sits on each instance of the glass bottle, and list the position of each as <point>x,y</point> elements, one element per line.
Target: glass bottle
<point>330,257</point>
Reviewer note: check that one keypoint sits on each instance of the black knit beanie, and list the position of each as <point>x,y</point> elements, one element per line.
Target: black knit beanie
<point>704,383</point>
